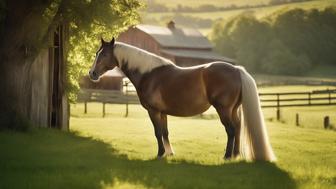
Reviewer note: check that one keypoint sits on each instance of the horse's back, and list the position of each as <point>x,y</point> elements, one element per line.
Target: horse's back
<point>222,81</point>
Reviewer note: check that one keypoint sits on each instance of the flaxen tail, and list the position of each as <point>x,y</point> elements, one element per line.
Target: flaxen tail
<point>254,142</point>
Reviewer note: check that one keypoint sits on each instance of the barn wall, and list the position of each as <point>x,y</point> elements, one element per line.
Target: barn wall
<point>170,57</point>
<point>28,84</point>
<point>185,62</point>
<point>138,38</point>
<point>65,113</point>
<point>39,109</point>
<point>105,83</point>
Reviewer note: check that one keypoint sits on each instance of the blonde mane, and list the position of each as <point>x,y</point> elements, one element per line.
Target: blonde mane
<point>138,59</point>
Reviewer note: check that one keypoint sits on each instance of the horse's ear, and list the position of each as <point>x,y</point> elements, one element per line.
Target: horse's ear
<point>112,41</point>
<point>102,41</point>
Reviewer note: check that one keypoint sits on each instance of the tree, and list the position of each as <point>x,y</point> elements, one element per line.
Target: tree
<point>26,24</point>
<point>243,38</point>
<point>280,60</point>
<point>287,42</point>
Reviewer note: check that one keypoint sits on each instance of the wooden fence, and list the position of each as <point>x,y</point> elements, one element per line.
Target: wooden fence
<point>297,99</point>
<point>126,97</point>
<point>268,100</point>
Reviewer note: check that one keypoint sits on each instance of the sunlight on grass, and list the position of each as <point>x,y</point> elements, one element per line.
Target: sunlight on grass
<point>119,152</point>
<point>260,13</point>
<point>306,153</point>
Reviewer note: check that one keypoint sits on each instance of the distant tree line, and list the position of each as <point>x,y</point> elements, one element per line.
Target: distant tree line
<point>287,42</point>
<point>159,7</point>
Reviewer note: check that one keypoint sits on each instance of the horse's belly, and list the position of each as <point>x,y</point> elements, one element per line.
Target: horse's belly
<point>191,111</point>
<point>185,106</point>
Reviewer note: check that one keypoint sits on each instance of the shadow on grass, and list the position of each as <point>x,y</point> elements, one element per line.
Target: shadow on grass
<point>47,158</point>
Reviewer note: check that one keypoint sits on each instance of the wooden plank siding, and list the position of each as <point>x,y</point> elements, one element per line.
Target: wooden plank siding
<point>49,105</point>
<point>140,39</point>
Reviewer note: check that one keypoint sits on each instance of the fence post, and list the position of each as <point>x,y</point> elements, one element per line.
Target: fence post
<point>126,113</point>
<point>297,121</point>
<point>326,122</point>
<point>309,99</point>
<point>278,116</point>
<point>103,109</point>
<point>85,107</point>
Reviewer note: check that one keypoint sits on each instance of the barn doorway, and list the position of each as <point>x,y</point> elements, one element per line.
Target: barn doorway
<point>56,76</point>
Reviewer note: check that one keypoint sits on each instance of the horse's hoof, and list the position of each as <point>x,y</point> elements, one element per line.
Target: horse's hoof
<point>169,154</point>
<point>227,158</point>
<point>160,157</point>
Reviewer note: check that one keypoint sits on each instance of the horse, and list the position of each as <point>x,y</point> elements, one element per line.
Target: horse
<point>167,89</point>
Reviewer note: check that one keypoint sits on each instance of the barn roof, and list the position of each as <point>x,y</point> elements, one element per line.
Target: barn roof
<point>176,37</point>
<point>196,54</point>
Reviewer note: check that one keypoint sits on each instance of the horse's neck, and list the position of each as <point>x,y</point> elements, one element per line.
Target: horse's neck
<point>135,62</point>
<point>133,75</point>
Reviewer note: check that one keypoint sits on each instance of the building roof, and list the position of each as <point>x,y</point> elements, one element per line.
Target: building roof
<point>196,54</point>
<point>172,37</point>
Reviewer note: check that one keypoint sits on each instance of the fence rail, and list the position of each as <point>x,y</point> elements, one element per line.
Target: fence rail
<point>107,96</point>
<point>297,99</point>
<point>128,96</point>
<point>291,99</point>
<point>268,100</point>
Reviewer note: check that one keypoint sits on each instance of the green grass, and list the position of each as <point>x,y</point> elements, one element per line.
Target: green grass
<point>221,3</point>
<point>225,15</point>
<point>119,152</point>
<point>265,11</point>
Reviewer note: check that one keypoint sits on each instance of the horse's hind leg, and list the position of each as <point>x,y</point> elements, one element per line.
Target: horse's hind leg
<point>237,125</point>
<point>168,148</point>
<point>225,115</point>
<point>157,121</point>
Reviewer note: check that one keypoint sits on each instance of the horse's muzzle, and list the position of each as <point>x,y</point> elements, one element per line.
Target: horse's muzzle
<point>93,76</point>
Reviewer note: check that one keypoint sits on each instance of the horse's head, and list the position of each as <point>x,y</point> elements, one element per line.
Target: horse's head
<point>105,60</point>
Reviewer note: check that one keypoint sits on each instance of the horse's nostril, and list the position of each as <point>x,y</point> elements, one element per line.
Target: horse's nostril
<point>94,74</point>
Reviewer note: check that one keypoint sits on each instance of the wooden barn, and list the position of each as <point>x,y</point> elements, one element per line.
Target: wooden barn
<point>41,85</point>
<point>184,46</point>
<point>111,80</point>
<point>50,105</point>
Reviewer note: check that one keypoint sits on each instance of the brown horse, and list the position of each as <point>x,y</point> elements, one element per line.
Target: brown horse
<point>166,89</point>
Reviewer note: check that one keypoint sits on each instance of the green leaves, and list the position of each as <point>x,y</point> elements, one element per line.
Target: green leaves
<point>90,20</point>
<point>288,42</point>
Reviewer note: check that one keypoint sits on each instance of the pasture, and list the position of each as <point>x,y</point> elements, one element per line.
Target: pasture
<point>224,3</point>
<point>259,12</point>
<point>119,152</point>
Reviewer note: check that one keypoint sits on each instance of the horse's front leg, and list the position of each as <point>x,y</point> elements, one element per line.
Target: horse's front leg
<point>158,122</point>
<point>168,147</point>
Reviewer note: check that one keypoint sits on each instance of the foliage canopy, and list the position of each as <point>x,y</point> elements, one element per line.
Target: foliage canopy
<point>287,42</point>
<point>27,25</point>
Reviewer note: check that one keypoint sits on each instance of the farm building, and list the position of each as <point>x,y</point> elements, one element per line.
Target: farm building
<point>184,46</point>
<point>39,84</point>
<point>111,80</point>
<point>50,107</point>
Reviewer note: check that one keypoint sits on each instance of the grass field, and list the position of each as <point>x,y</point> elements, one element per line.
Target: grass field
<point>258,12</point>
<point>225,15</point>
<point>119,152</point>
<point>221,3</point>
